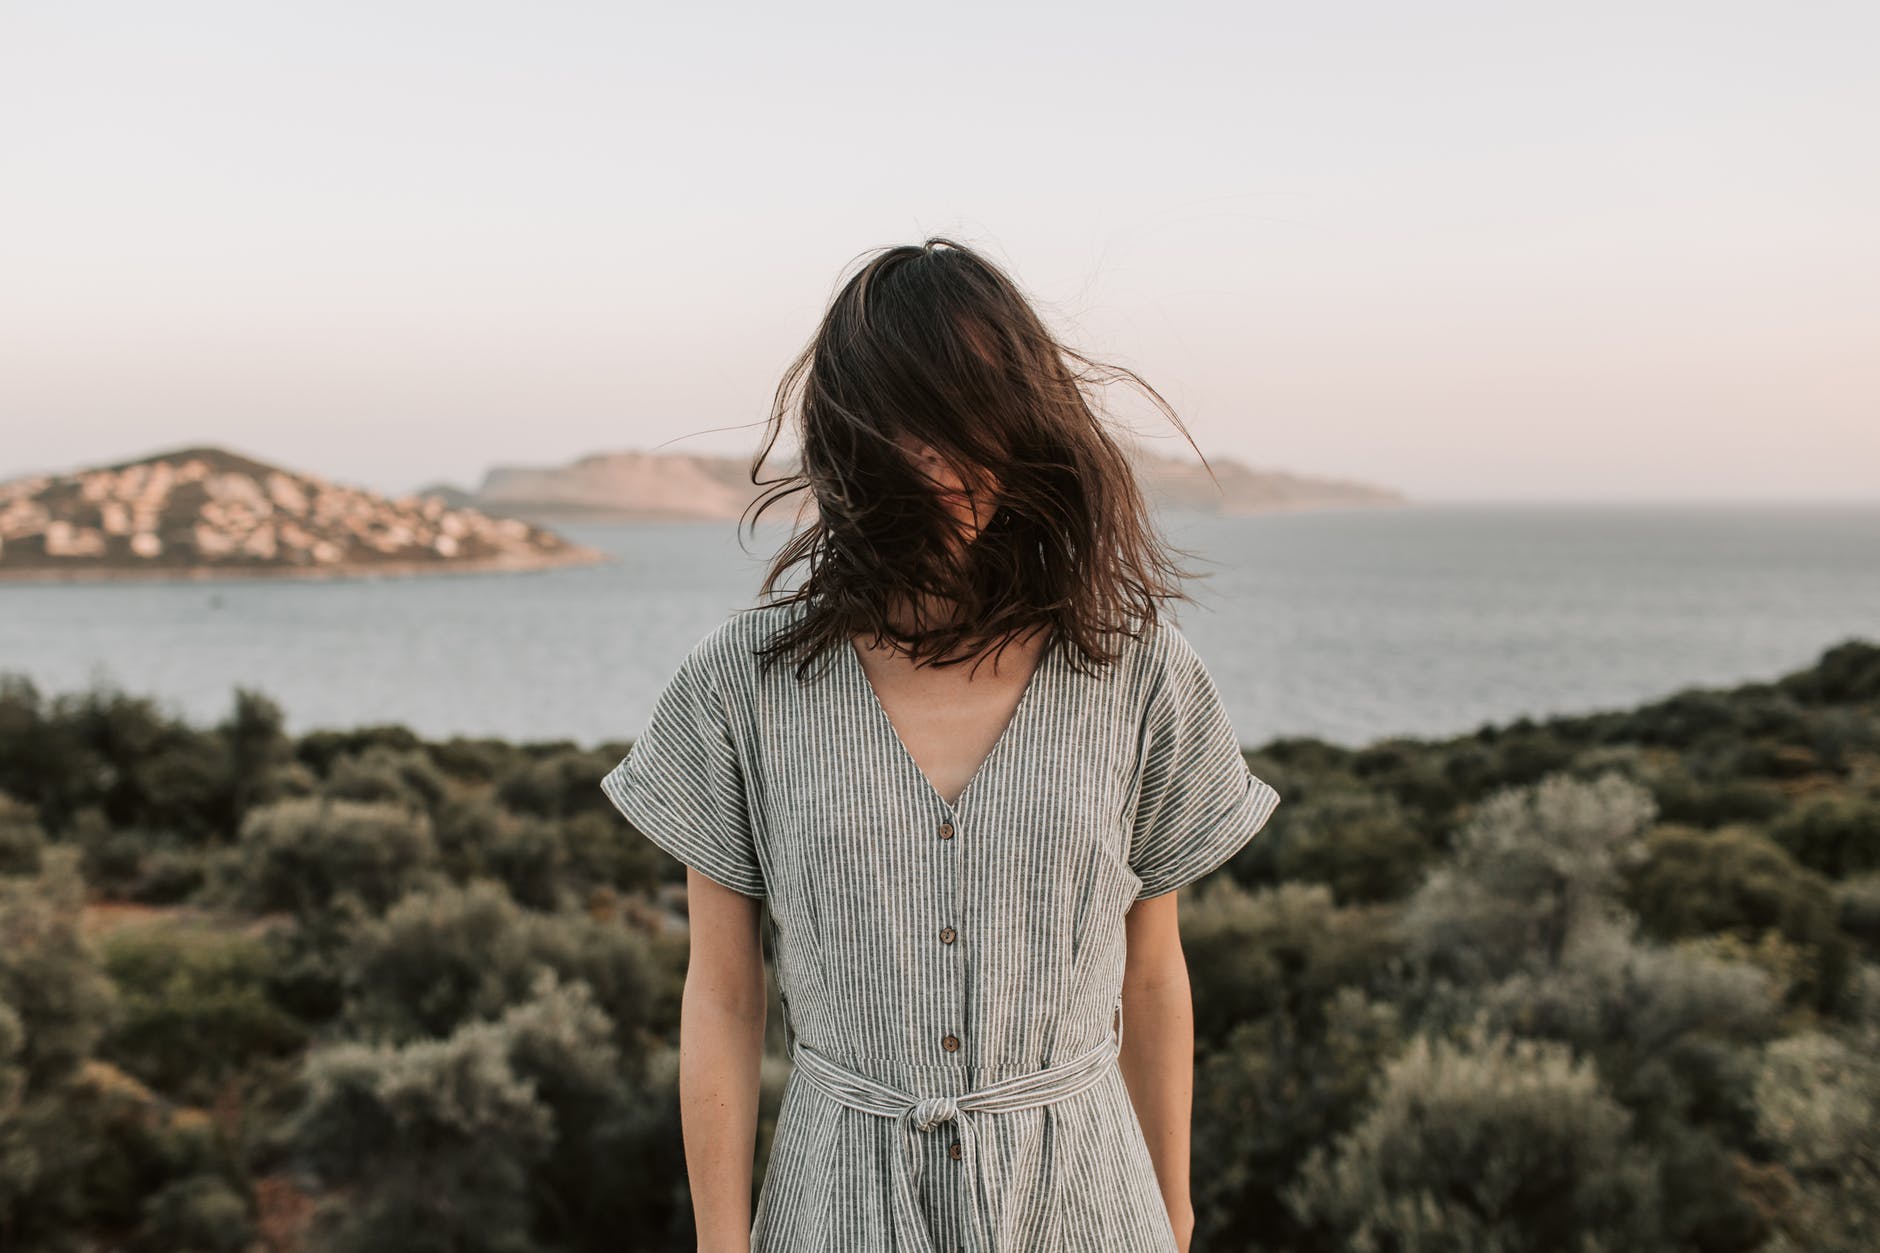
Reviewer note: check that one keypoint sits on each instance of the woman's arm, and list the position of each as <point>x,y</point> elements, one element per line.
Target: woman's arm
<point>1158,1058</point>
<point>721,1040</point>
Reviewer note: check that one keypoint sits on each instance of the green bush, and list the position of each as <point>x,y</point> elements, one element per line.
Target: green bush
<point>21,840</point>
<point>1695,882</point>
<point>555,786</point>
<point>170,875</point>
<point>1486,1145</point>
<point>1684,798</point>
<point>529,855</point>
<point>302,855</point>
<point>1416,777</point>
<point>89,1154</point>
<point>1846,673</point>
<point>478,761</point>
<point>439,1144</point>
<point>201,1213</point>
<point>113,856</point>
<point>319,750</point>
<point>1734,881</point>
<point>380,773</point>
<point>1858,908</point>
<point>257,746</point>
<point>1265,1097</point>
<point>1626,1002</point>
<point>1675,1033</point>
<point>1362,845</point>
<point>1818,1105</point>
<point>1696,720</point>
<point>454,955</point>
<point>1275,951</point>
<point>49,973</point>
<point>1531,867</point>
<point>1838,834</point>
<point>194,1007</point>
<point>37,762</point>
<point>603,851</point>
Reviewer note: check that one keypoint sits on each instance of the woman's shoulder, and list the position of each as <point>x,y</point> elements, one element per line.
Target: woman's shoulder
<point>1170,659</point>
<point>1166,645</point>
<point>1145,656</point>
<point>726,654</point>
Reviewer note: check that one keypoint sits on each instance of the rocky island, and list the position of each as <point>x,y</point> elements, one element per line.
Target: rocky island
<point>208,512</point>
<point>645,486</point>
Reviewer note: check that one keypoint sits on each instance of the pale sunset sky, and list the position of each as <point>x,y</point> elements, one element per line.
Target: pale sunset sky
<point>1594,252</point>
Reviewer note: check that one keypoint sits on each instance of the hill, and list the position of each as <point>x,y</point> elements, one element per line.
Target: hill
<point>202,511</point>
<point>635,485</point>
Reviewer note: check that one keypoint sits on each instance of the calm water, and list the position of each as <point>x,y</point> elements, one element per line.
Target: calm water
<point>1348,625</point>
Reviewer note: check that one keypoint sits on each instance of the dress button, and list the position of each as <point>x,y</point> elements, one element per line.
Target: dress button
<point>951,1043</point>
<point>946,830</point>
<point>946,935</point>
<point>953,1150</point>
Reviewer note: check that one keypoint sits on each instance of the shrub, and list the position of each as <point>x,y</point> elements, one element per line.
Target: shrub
<point>1838,835</point>
<point>1736,882</point>
<point>1274,951</point>
<point>529,855</point>
<point>1817,1105</point>
<point>49,973</point>
<point>437,1144</point>
<point>256,745</point>
<point>300,855</point>
<point>1611,995</point>
<point>194,1007</point>
<point>603,851</point>
<point>201,1213</point>
<point>1684,798</point>
<point>555,786</point>
<point>21,840</point>
<point>1266,1097</point>
<point>452,955</point>
<point>1848,672</point>
<point>1362,845</point>
<point>1695,882</point>
<point>170,875</point>
<point>1531,866</point>
<point>1858,908</point>
<point>318,750</point>
<point>85,1157</point>
<point>382,773</point>
<point>1488,1145</point>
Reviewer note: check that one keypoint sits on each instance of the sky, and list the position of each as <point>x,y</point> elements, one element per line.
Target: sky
<point>1474,252</point>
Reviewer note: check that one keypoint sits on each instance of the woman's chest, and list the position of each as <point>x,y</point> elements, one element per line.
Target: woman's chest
<point>862,854</point>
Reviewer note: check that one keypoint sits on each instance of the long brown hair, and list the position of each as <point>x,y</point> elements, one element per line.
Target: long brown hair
<point>937,345</point>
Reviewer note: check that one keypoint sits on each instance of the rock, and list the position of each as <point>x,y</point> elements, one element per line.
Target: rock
<point>208,511</point>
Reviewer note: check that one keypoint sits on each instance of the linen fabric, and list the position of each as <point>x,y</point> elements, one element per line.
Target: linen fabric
<point>930,951</point>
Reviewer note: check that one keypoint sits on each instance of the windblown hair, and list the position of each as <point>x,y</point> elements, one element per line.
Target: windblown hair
<point>936,345</point>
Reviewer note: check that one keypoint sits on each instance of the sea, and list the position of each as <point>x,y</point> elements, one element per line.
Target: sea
<point>1349,625</point>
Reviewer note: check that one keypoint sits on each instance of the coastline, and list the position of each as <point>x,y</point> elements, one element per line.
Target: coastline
<point>506,564</point>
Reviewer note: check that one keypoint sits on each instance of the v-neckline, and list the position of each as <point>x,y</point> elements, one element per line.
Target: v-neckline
<point>985,763</point>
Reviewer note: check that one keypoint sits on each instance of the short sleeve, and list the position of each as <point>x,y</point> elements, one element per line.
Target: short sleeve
<point>1198,802</point>
<point>682,786</point>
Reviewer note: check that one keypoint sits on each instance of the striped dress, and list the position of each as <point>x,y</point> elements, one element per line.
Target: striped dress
<point>950,975</point>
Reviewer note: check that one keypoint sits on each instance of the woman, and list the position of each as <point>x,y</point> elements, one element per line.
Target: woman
<point>966,806</point>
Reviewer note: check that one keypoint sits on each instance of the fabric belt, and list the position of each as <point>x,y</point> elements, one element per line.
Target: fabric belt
<point>917,1114</point>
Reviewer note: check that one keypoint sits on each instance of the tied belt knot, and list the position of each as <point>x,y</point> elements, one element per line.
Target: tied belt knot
<point>917,1114</point>
<point>932,1111</point>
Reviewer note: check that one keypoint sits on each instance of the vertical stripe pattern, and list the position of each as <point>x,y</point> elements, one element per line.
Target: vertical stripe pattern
<point>950,974</point>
